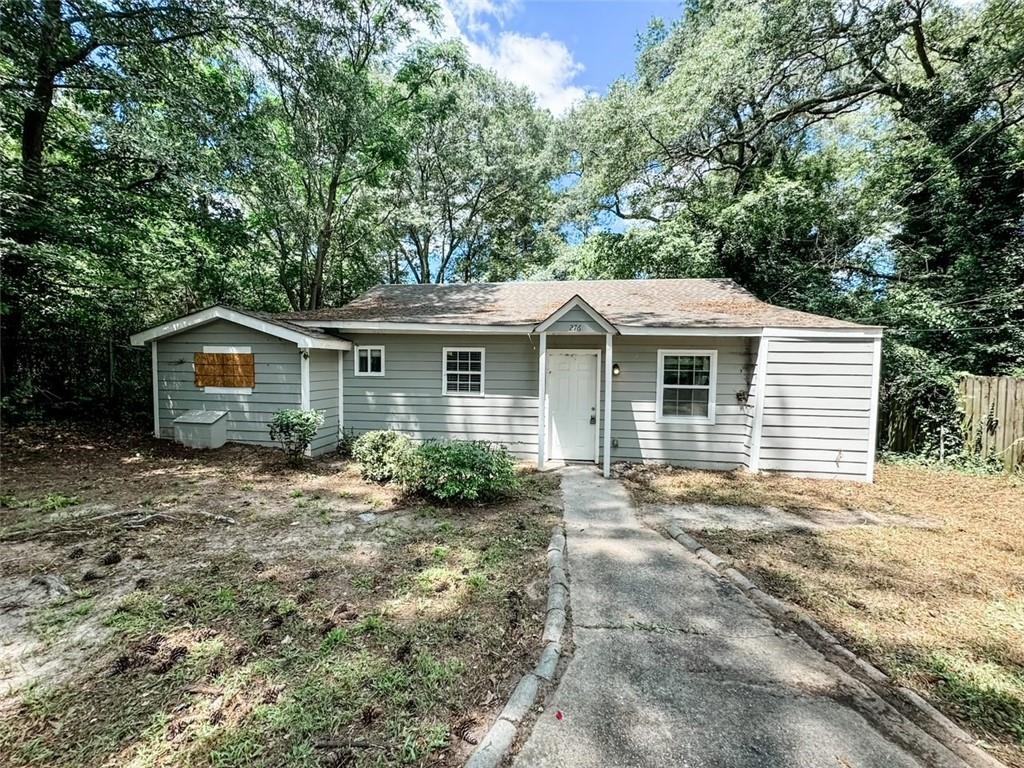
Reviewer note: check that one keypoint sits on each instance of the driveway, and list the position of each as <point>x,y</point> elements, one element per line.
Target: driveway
<point>673,666</point>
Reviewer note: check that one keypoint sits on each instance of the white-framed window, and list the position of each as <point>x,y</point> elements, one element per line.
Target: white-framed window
<point>369,360</point>
<point>686,385</point>
<point>462,370</point>
<point>229,367</point>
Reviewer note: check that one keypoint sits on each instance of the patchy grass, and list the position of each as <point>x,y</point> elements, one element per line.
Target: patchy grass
<point>298,635</point>
<point>939,607</point>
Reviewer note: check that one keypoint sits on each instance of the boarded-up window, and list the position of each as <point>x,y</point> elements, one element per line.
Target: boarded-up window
<point>220,369</point>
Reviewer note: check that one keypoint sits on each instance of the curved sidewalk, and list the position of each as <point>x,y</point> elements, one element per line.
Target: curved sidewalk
<point>673,666</point>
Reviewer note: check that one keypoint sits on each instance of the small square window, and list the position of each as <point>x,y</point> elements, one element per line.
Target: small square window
<point>463,371</point>
<point>369,361</point>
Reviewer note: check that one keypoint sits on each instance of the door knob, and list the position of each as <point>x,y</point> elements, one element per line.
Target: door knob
<point>593,419</point>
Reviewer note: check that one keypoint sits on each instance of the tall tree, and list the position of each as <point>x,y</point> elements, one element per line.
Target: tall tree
<point>80,77</point>
<point>471,198</point>
<point>327,137</point>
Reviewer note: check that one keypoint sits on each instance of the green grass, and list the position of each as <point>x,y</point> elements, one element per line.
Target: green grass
<point>56,620</point>
<point>988,694</point>
<point>234,664</point>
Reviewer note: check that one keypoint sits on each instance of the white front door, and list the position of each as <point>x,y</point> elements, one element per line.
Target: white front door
<point>572,404</point>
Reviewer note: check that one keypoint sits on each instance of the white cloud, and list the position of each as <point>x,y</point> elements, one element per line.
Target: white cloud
<point>544,65</point>
<point>472,13</point>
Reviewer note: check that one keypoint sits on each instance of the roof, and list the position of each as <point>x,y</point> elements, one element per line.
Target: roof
<point>301,335</point>
<point>711,303</point>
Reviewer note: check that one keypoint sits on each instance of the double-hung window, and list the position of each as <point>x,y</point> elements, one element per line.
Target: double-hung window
<point>369,360</point>
<point>463,371</point>
<point>686,385</point>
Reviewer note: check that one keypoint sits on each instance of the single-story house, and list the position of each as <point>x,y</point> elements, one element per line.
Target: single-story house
<point>697,373</point>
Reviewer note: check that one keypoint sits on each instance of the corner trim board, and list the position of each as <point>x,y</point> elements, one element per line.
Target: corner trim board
<point>760,382</point>
<point>876,376</point>
<point>155,364</point>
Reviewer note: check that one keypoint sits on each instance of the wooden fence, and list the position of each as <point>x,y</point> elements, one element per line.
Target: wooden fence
<point>993,422</point>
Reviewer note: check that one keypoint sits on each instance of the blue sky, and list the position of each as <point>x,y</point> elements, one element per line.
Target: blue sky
<point>560,49</point>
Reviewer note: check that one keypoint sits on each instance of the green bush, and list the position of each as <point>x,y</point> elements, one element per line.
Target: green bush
<point>295,429</point>
<point>461,471</point>
<point>383,455</point>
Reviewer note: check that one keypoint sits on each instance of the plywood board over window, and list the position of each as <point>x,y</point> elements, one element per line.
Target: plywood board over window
<point>233,370</point>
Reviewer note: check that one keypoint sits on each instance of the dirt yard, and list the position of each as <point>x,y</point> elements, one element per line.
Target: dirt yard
<point>165,607</point>
<point>922,573</point>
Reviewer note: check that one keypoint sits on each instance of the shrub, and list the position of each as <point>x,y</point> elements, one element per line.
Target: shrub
<point>295,429</point>
<point>458,470</point>
<point>383,455</point>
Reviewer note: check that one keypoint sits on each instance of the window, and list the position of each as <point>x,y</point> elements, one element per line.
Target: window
<point>686,385</point>
<point>369,361</point>
<point>225,370</point>
<point>463,371</point>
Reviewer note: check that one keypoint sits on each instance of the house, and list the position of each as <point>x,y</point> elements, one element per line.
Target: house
<point>700,373</point>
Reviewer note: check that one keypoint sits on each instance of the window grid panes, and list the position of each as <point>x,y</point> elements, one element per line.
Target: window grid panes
<point>371,360</point>
<point>686,385</point>
<point>463,369</point>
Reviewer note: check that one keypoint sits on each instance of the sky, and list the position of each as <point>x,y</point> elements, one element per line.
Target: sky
<point>563,50</point>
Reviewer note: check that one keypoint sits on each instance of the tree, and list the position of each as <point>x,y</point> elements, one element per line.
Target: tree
<point>471,197</point>
<point>851,158</point>
<point>326,137</point>
<point>104,107</point>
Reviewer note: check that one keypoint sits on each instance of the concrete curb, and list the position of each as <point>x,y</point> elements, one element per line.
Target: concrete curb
<point>502,734</point>
<point>934,722</point>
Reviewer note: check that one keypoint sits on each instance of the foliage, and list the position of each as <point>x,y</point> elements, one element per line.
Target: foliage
<point>830,157</point>
<point>461,471</point>
<point>472,195</point>
<point>295,429</point>
<point>383,455</point>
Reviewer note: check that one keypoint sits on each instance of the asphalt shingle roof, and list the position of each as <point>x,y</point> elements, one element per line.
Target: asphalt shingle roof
<point>713,303</point>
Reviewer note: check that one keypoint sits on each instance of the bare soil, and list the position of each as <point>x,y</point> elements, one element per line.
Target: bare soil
<point>930,589</point>
<point>160,606</point>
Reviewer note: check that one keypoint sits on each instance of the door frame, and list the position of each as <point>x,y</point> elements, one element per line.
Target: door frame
<point>597,403</point>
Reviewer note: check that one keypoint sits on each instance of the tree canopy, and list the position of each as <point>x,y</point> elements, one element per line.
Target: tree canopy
<point>862,159</point>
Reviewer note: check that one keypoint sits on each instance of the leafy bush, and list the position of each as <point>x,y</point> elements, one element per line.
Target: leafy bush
<point>458,470</point>
<point>382,455</point>
<point>295,429</point>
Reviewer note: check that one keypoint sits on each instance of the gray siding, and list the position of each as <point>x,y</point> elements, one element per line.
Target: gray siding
<point>641,437</point>
<point>323,396</point>
<point>817,407</point>
<point>277,380</point>
<point>575,316</point>
<point>408,397</point>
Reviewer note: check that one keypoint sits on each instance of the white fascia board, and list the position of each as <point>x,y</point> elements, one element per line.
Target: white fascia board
<point>703,330</point>
<point>824,333</point>
<point>574,303</point>
<point>210,314</point>
<point>376,327</point>
<point>792,333</point>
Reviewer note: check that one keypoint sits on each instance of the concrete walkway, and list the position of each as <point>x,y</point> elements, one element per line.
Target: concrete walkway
<point>673,666</point>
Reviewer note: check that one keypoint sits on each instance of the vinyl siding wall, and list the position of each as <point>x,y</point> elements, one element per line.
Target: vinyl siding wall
<point>408,397</point>
<point>277,380</point>
<point>577,316</point>
<point>817,408</point>
<point>641,437</point>
<point>323,396</point>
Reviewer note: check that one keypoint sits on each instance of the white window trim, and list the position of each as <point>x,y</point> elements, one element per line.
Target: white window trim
<point>711,386</point>
<point>368,347</point>
<point>222,350</point>
<point>444,371</point>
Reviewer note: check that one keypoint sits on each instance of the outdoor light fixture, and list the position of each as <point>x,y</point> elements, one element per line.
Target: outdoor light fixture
<point>615,369</point>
